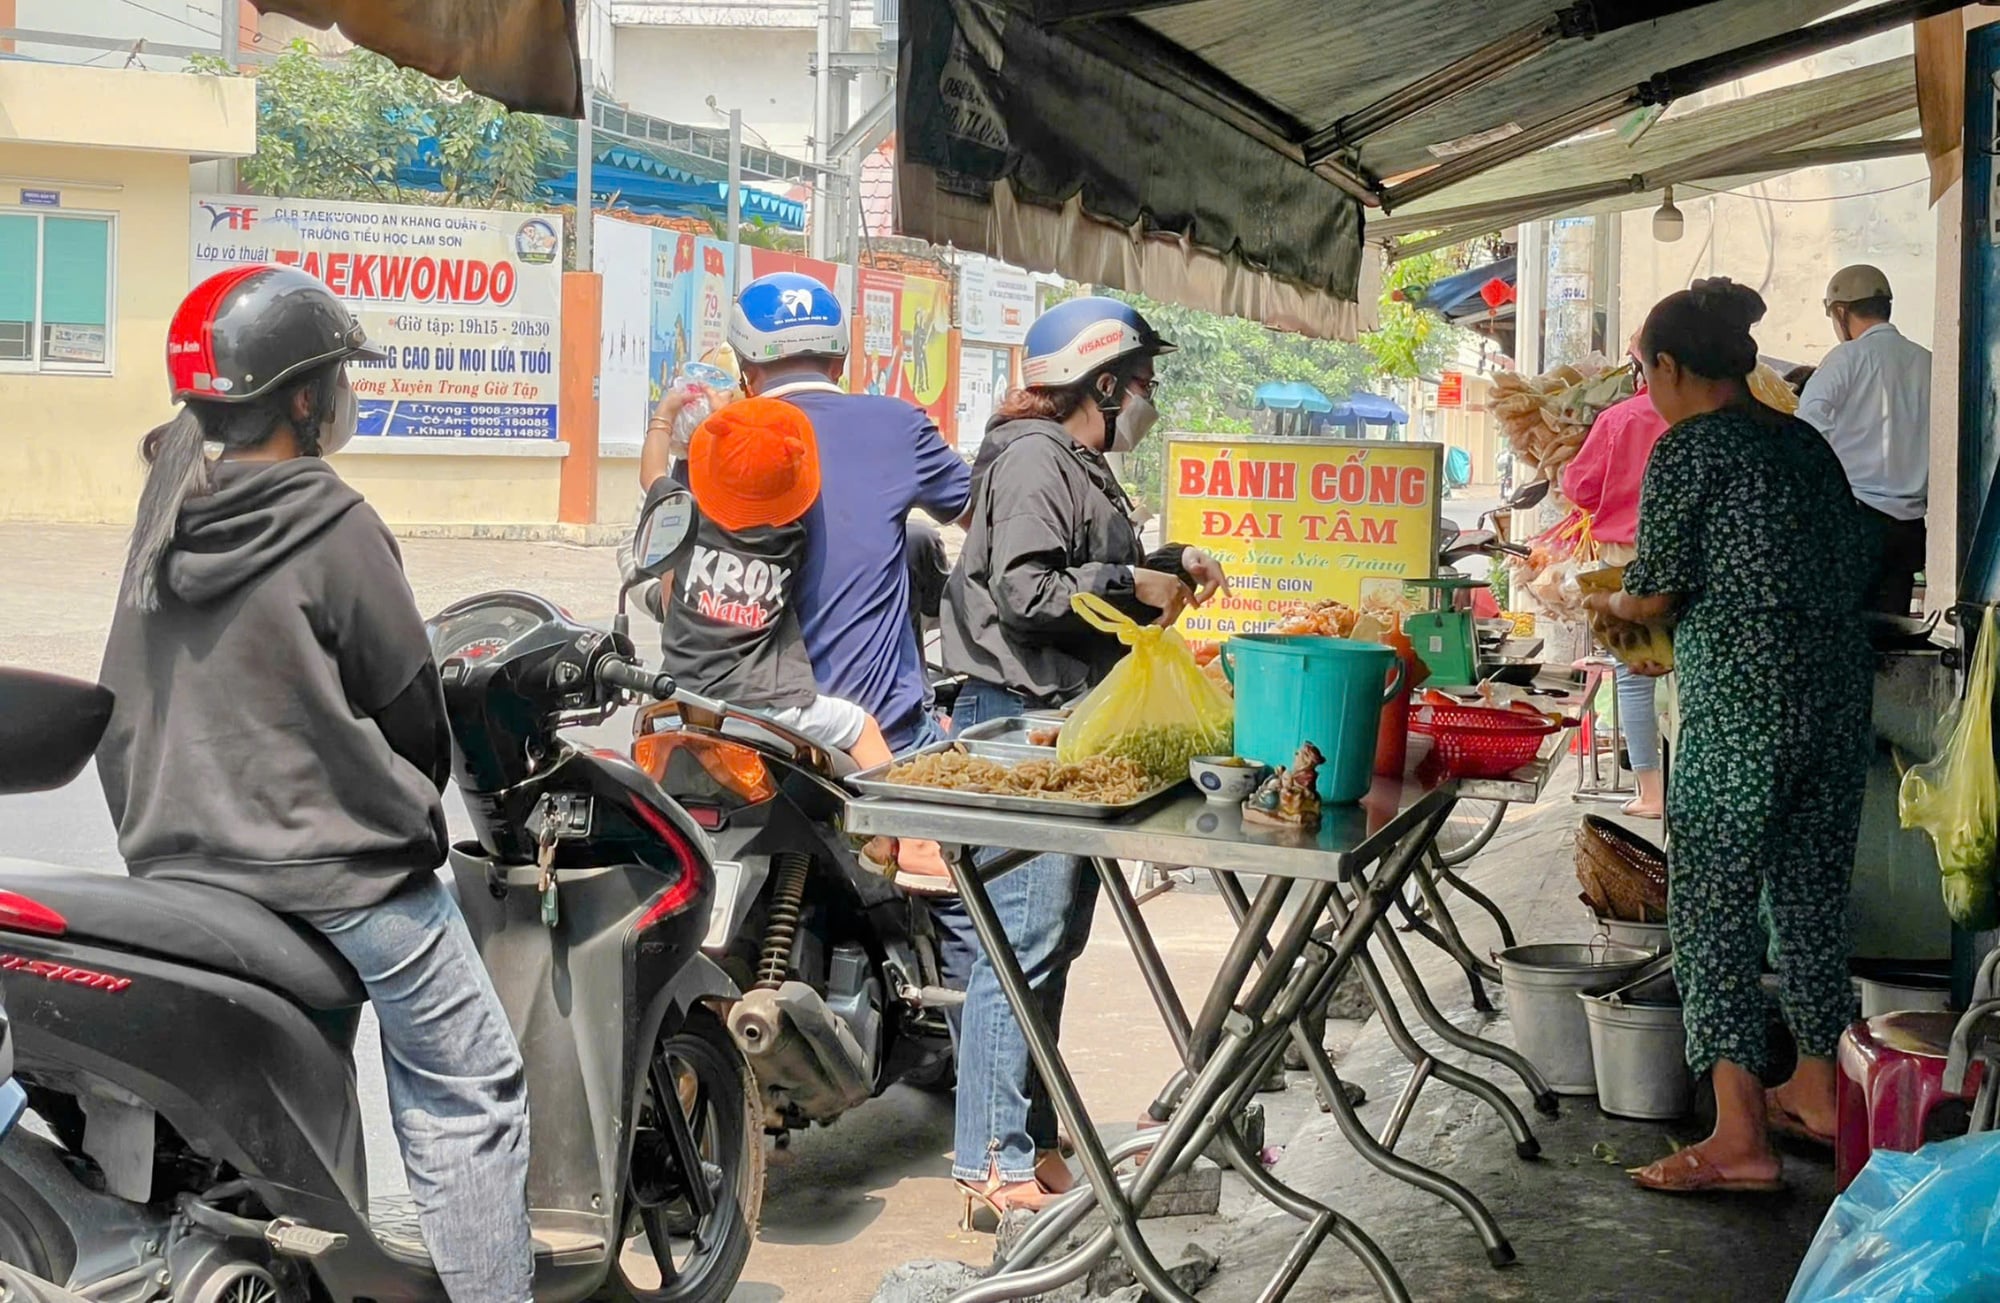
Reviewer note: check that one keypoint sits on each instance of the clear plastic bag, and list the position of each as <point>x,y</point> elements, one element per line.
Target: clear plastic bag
<point>1918,1228</point>
<point>1956,797</point>
<point>1155,707</point>
<point>708,387</point>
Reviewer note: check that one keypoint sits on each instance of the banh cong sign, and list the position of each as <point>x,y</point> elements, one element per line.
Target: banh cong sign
<point>466,301</point>
<point>1296,521</point>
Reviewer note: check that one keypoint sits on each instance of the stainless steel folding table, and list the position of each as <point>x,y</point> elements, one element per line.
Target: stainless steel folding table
<point>1349,875</point>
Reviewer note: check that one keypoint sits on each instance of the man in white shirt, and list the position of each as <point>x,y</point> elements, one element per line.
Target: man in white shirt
<point>1871,398</point>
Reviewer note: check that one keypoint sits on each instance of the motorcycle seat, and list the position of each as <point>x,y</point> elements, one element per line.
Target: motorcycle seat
<point>204,927</point>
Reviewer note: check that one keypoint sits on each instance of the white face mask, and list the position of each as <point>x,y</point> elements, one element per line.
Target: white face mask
<point>341,424</point>
<point>1135,421</point>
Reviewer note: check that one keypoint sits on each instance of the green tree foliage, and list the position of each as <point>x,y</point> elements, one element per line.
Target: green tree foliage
<point>1407,343</point>
<point>342,128</point>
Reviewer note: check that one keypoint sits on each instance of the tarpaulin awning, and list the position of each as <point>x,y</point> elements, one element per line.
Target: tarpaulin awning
<point>523,53</point>
<point>1290,396</point>
<point>1467,294</point>
<point>1845,114</point>
<point>1218,152</point>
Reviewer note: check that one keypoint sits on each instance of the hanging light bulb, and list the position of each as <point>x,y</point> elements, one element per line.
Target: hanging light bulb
<point>1667,220</point>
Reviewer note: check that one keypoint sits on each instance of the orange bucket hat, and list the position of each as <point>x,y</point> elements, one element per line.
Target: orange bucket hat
<point>754,462</point>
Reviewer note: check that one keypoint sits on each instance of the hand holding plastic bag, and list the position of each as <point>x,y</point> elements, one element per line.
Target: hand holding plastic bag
<point>1918,1228</point>
<point>1956,797</point>
<point>1155,707</point>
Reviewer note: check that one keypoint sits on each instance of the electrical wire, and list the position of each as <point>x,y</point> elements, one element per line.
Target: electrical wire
<point>1804,199</point>
<point>183,21</point>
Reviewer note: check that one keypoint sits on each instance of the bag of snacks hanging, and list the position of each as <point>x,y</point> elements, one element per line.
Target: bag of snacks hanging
<point>1156,707</point>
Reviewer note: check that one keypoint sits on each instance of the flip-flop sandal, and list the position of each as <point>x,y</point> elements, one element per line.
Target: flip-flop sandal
<point>1690,1172</point>
<point>1781,1121</point>
<point>1630,813</point>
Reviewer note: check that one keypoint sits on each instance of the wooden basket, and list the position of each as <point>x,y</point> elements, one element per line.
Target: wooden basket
<point>1624,876</point>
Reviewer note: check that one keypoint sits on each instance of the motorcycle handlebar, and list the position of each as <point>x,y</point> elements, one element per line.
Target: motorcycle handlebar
<point>627,677</point>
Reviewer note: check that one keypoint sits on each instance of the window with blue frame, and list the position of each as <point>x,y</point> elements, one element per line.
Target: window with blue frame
<point>55,291</point>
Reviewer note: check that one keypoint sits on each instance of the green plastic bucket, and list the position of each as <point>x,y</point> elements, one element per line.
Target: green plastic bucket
<point>1293,689</point>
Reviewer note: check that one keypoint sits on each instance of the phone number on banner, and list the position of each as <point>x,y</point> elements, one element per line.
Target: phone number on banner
<point>459,420</point>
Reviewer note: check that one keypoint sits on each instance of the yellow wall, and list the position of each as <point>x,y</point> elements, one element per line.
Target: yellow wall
<point>69,443</point>
<point>455,490</point>
<point>617,489</point>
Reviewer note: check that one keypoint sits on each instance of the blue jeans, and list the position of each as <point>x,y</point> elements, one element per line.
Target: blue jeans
<point>457,1088</point>
<point>1045,906</point>
<point>1638,718</point>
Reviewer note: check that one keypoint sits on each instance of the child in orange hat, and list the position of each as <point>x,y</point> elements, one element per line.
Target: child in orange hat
<point>730,628</point>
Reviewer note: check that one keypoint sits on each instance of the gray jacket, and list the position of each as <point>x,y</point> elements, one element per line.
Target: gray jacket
<point>1049,520</point>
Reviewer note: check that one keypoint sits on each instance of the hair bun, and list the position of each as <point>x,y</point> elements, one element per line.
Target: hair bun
<point>1735,306</point>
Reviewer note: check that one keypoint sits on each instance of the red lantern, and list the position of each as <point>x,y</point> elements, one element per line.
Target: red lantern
<point>1496,294</point>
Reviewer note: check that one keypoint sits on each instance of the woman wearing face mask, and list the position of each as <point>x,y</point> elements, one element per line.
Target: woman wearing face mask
<point>1048,520</point>
<point>279,732</point>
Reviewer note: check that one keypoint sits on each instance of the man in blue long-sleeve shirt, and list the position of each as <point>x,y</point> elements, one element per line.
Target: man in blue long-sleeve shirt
<point>880,459</point>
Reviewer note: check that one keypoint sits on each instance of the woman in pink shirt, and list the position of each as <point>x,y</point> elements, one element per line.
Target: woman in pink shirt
<point>1604,480</point>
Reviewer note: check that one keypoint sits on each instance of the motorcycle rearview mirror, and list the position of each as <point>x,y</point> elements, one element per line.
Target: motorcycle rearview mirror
<point>661,541</point>
<point>1528,495</point>
<point>665,534</point>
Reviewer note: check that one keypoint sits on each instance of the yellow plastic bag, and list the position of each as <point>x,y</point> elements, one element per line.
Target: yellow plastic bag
<point>1956,797</point>
<point>1155,707</point>
<point>1630,642</point>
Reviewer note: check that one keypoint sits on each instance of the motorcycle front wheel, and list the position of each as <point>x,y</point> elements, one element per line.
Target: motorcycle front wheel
<point>701,1118</point>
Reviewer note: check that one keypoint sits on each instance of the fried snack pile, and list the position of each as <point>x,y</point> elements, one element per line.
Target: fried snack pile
<point>1319,619</point>
<point>1104,780</point>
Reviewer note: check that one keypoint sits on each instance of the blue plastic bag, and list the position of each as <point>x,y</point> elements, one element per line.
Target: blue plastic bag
<point>1918,1228</point>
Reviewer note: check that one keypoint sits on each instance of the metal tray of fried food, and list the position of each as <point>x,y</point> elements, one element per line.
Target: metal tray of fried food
<point>1037,729</point>
<point>874,782</point>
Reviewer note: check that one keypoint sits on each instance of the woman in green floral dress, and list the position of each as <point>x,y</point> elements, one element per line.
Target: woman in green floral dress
<point>1750,536</point>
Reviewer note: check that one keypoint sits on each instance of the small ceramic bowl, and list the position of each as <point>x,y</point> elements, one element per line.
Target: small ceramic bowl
<point>1225,780</point>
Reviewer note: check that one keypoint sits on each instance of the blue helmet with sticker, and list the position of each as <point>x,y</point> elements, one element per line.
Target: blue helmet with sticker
<point>1072,340</point>
<point>784,315</point>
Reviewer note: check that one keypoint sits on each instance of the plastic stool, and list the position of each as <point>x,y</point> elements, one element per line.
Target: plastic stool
<point>1892,1071</point>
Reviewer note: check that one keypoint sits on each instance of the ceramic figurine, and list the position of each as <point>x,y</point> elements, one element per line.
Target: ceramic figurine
<point>1289,798</point>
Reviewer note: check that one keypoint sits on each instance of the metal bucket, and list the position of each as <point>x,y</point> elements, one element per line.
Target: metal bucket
<point>1640,1052</point>
<point>1542,983</point>
<point>1649,937</point>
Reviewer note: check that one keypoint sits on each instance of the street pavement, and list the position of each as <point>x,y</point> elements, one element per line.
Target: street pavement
<point>843,1203</point>
<point>846,1203</point>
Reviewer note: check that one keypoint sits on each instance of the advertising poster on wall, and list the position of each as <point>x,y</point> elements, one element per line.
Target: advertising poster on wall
<point>623,252</point>
<point>1297,521</point>
<point>996,302</point>
<point>902,340</point>
<point>673,264</point>
<point>984,374</point>
<point>467,301</point>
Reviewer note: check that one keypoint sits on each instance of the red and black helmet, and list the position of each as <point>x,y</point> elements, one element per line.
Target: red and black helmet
<point>245,332</point>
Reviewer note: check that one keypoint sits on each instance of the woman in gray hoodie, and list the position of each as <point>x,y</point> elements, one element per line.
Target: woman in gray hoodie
<point>279,731</point>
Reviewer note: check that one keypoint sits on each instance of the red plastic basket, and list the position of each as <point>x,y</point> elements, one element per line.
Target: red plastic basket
<point>1474,742</point>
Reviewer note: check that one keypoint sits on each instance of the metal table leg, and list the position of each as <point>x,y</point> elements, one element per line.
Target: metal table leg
<point>1525,1144</point>
<point>1380,1155</point>
<point>1239,1038</point>
<point>1042,1048</point>
<point>1506,1056</point>
<point>1479,898</point>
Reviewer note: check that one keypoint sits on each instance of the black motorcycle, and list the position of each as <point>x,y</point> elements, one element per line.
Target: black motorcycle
<point>188,1052</point>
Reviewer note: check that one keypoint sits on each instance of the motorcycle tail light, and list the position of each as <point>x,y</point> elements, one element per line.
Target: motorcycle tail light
<point>682,893</point>
<point>19,914</point>
<point>735,768</point>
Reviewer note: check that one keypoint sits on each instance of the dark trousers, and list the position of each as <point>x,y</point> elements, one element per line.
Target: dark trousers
<point>1899,561</point>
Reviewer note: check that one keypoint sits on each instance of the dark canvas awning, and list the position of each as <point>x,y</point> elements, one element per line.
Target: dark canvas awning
<point>1224,153</point>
